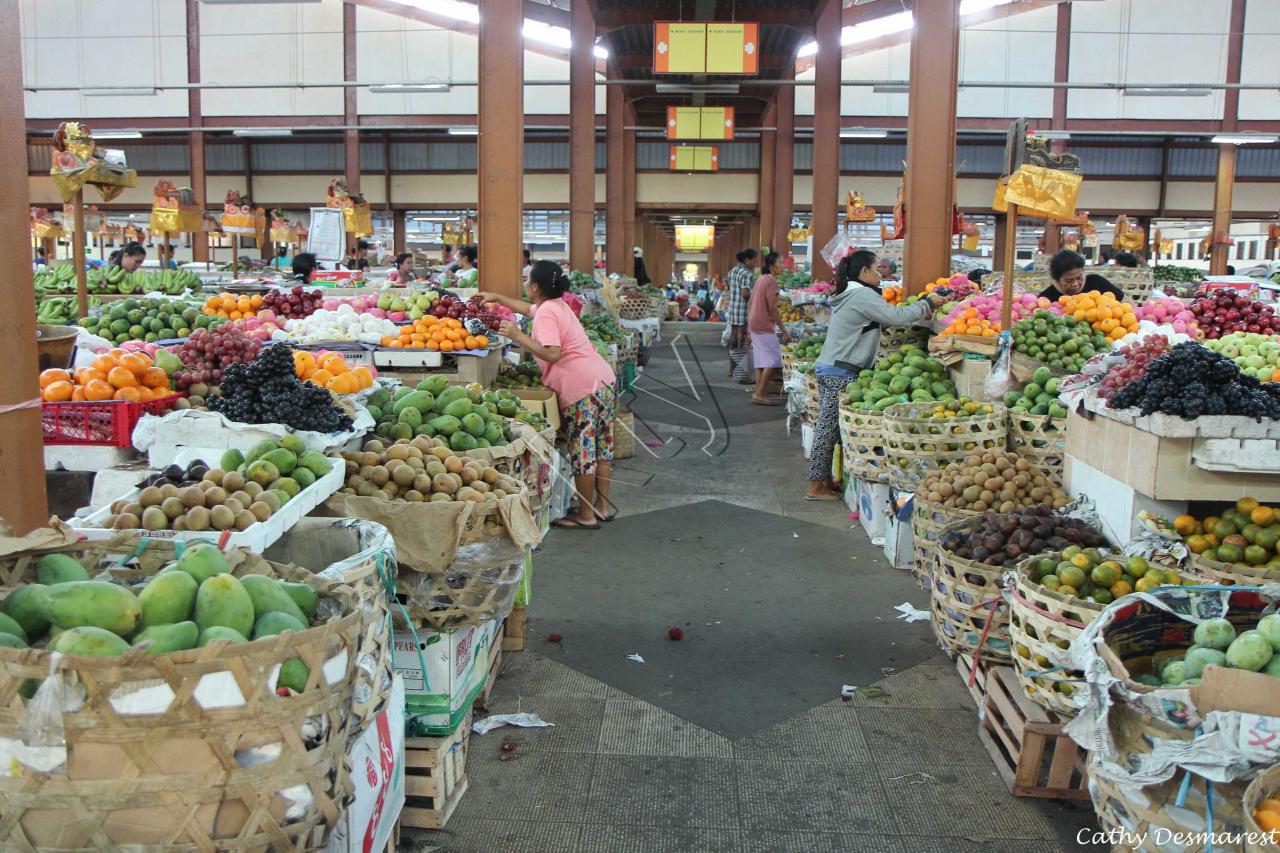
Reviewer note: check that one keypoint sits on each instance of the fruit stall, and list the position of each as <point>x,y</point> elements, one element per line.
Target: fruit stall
<point>1094,520</point>
<point>310,514</point>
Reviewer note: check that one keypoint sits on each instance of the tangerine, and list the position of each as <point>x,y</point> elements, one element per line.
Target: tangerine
<point>129,392</point>
<point>122,377</point>
<point>52,375</point>
<point>58,391</point>
<point>98,389</point>
<point>154,377</point>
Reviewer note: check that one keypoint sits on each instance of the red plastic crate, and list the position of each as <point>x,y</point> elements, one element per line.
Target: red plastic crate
<point>108,423</point>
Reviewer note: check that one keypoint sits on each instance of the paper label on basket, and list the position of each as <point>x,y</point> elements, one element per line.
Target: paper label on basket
<point>14,755</point>
<point>218,690</point>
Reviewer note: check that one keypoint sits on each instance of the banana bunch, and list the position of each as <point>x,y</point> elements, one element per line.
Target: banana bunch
<point>174,282</point>
<point>58,311</point>
<point>51,280</point>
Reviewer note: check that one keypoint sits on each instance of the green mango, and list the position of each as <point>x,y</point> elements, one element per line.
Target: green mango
<point>231,460</point>
<point>303,477</point>
<point>380,398</point>
<point>420,400</point>
<point>434,384</point>
<point>11,641</point>
<point>262,448</point>
<point>268,597</point>
<point>223,600</point>
<point>425,429</point>
<point>401,392</point>
<point>474,424</point>
<point>217,633</point>
<point>167,598</point>
<point>29,607</point>
<point>459,408</point>
<point>98,604</point>
<point>445,425</point>
<point>492,433</point>
<point>89,641</point>
<point>162,639</point>
<point>303,595</point>
<point>294,674</point>
<point>284,460</point>
<point>276,622</point>
<point>411,416</point>
<point>315,462</point>
<point>462,441</point>
<point>9,625</point>
<point>59,568</point>
<point>288,485</point>
<point>202,561</point>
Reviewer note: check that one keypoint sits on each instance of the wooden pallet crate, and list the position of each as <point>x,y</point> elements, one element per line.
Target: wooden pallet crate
<point>435,777</point>
<point>978,690</point>
<point>513,630</point>
<point>1027,744</point>
<point>495,665</point>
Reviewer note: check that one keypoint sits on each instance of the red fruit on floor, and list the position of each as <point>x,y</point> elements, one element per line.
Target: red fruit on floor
<point>554,638</point>
<point>675,634</point>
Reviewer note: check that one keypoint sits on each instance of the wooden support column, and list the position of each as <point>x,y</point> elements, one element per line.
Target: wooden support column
<point>1052,238</point>
<point>615,238</point>
<point>784,159</point>
<point>765,192</point>
<point>629,190</point>
<point>501,145</point>
<point>399,240</point>
<point>999,245</point>
<point>1223,185</point>
<point>931,142</point>
<point>582,140</point>
<point>350,138</point>
<point>826,135</point>
<point>22,501</point>
<point>195,139</point>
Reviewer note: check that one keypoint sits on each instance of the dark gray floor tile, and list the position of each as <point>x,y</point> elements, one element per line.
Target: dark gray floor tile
<point>481,835</point>
<point>632,727</point>
<point>539,786</point>
<point>909,735</point>
<point>813,795</point>
<point>825,733</point>
<point>577,723</point>
<point>663,791</point>
<point>961,801</point>
<point>607,838</point>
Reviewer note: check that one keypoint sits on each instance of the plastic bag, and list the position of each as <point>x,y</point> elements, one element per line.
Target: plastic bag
<point>725,335</point>
<point>42,741</point>
<point>1000,380</point>
<point>836,249</point>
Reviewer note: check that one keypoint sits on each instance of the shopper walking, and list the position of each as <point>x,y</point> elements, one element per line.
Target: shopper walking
<point>763,323</point>
<point>739,299</point>
<point>583,383</point>
<point>858,311</point>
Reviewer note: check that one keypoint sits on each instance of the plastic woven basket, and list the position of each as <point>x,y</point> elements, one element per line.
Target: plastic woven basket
<point>108,423</point>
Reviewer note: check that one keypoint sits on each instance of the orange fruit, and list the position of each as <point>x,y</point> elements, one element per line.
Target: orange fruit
<point>77,396</point>
<point>256,300</point>
<point>321,377</point>
<point>52,375</point>
<point>446,346</point>
<point>154,377</point>
<point>122,377</point>
<point>104,364</point>
<point>364,377</point>
<point>470,342</point>
<point>98,389</point>
<point>58,391</point>
<point>129,392</point>
<point>1186,525</point>
<point>482,341</point>
<point>434,346</point>
<point>136,363</point>
<point>335,364</point>
<point>84,374</point>
<point>1268,821</point>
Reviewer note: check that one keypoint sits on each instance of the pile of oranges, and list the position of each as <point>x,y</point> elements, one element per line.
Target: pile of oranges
<point>118,375</point>
<point>1103,312</point>
<point>436,334</point>
<point>331,371</point>
<point>971,322</point>
<point>892,295</point>
<point>1267,816</point>
<point>232,306</point>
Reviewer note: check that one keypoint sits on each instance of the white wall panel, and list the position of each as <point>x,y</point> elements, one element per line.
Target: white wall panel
<point>271,190</point>
<point>1260,61</point>
<point>804,94</point>
<point>548,189</point>
<point>1129,196</point>
<point>696,189</point>
<point>1256,197</point>
<point>429,190</point>
<point>1189,195</point>
<point>546,99</point>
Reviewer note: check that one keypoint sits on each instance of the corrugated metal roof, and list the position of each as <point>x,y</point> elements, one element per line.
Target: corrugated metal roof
<point>1254,162</point>
<point>372,157</point>
<point>1120,161</point>
<point>291,157</point>
<point>1192,162</point>
<point>872,157</point>
<point>433,157</point>
<point>546,156</point>
<point>224,158</point>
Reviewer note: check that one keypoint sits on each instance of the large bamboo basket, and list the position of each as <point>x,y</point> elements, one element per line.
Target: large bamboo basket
<point>966,596</point>
<point>862,440</point>
<point>1232,574</point>
<point>479,587</point>
<point>188,751</point>
<point>1041,439</point>
<point>916,443</point>
<point>928,520</point>
<point>1266,784</point>
<point>1042,620</point>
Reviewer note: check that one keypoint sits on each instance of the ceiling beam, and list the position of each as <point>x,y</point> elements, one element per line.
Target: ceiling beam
<point>615,18</point>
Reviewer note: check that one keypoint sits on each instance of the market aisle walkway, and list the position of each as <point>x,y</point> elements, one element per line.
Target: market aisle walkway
<point>734,738</point>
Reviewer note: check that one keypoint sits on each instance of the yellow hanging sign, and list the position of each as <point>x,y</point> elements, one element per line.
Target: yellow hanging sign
<point>722,47</point>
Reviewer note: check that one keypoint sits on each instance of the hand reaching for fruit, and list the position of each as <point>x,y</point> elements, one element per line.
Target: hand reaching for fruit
<point>509,330</point>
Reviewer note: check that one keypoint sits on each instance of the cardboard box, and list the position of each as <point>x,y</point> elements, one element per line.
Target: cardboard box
<point>1158,467</point>
<point>457,665</point>
<point>873,508</point>
<point>541,401</point>
<point>969,375</point>
<point>898,542</point>
<point>376,762</point>
<point>1117,504</point>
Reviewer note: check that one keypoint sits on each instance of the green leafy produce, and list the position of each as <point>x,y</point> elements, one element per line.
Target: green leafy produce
<point>906,376</point>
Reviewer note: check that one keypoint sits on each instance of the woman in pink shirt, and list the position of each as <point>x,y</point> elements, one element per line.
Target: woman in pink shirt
<point>583,383</point>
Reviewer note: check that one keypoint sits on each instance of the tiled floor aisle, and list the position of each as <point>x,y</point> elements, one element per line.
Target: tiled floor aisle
<point>776,761</point>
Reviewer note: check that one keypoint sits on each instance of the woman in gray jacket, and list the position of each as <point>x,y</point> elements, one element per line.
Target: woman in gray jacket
<point>858,312</point>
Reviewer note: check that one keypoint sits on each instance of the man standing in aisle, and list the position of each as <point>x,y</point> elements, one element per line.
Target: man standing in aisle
<point>740,282</point>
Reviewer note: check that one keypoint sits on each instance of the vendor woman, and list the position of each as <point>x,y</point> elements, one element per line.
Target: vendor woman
<point>131,257</point>
<point>402,272</point>
<point>468,274</point>
<point>1066,268</point>
<point>583,383</point>
<point>858,310</point>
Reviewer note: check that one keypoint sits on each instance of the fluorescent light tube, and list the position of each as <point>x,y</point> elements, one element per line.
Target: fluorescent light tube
<point>862,133</point>
<point>891,89</point>
<point>697,88</point>
<point>1164,92</point>
<point>464,131</point>
<point>1054,134</point>
<point>117,134</point>
<point>263,131</point>
<point>1246,138</point>
<point>118,91</point>
<point>407,88</point>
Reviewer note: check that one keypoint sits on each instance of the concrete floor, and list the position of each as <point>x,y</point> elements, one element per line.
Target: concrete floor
<point>734,738</point>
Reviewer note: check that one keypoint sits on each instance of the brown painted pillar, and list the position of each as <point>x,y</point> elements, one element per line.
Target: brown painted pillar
<point>501,145</point>
<point>615,238</point>
<point>784,170</point>
<point>582,140</point>
<point>398,237</point>
<point>195,140</point>
<point>1052,238</point>
<point>764,200</point>
<point>22,502</point>
<point>826,135</point>
<point>350,138</point>
<point>629,191</point>
<point>931,142</point>
<point>999,245</point>
<point>1222,187</point>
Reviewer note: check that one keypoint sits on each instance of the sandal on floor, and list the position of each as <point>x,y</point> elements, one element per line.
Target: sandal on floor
<point>761,401</point>
<point>570,524</point>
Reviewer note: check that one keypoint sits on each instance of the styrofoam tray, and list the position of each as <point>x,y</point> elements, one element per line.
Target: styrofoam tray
<point>407,358</point>
<point>165,437</point>
<point>256,538</point>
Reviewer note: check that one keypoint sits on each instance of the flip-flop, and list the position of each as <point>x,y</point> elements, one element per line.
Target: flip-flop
<point>759,402</point>
<point>569,524</point>
<point>822,497</point>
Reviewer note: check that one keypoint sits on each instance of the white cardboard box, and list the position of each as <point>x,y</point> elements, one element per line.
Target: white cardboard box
<point>1117,504</point>
<point>898,542</point>
<point>166,436</point>
<point>457,665</point>
<point>851,494</point>
<point>873,507</point>
<point>376,761</point>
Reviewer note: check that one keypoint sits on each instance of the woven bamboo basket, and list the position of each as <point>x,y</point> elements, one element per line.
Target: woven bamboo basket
<point>915,444</point>
<point>812,398</point>
<point>1265,785</point>
<point>1155,807</point>
<point>624,434</point>
<point>479,587</point>
<point>966,595</point>
<point>1041,439</point>
<point>862,442</point>
<point>357,553</point>
<point>634,306</point>
<point>928,521</point>
<point>658,307</point>
<point>192,750</point>
<point>896,337</point>
<point>1232,574</point>
<point>1041,619</point>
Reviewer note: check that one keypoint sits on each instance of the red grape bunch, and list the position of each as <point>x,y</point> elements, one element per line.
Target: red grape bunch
<point>209,352</point>
<point>484,313</point>
<point>293,304</point>
<point>1136,358</point>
